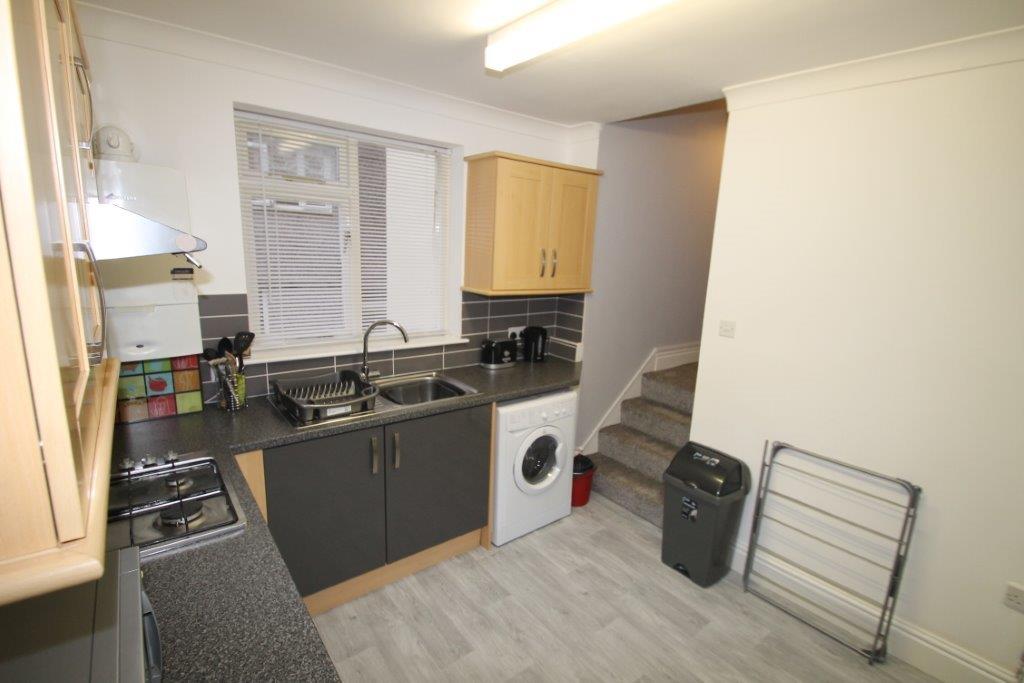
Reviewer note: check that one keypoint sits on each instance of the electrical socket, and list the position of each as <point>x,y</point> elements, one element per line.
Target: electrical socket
<point>518,331</point>
<point>1014,598</point>
<point>727,328</point>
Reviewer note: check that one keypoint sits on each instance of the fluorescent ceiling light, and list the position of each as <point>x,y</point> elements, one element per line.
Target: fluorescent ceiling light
<point>489,15</point>
<point>558,24</point>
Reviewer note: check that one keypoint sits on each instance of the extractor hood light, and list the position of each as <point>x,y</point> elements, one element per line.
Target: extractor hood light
<point>558,24</point>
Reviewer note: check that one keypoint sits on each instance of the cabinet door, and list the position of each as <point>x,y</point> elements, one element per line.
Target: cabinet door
<point>522,211</point>
<point>325,507</point>
<point>573,206</point>
<point>42,261</point>
<point>438,472</point>
<point>81,87</point>
<point>70,111</point>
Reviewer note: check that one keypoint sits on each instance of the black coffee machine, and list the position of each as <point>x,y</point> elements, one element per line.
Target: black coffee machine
<point>535,344</point>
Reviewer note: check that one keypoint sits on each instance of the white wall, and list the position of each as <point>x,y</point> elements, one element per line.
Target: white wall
<point>174,90</point>
<point>868,245</point>
<point>655,214</point>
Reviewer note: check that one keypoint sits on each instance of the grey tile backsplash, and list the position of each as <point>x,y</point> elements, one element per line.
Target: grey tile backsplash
<point>222,315</point>
<point>561,315</point>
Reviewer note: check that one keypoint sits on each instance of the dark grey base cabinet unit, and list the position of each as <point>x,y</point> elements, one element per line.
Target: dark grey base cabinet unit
<point>343,505</point>
<point>325,507</point>
<point>438,475</point>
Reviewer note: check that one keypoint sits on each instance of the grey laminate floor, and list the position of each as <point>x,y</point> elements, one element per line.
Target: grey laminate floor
<point>588,599</point>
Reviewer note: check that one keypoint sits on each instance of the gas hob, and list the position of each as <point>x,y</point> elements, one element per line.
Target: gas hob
<point>167,503</point>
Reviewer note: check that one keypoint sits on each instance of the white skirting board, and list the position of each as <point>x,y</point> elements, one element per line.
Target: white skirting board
<point>660,358</point>
<point>919,647</point>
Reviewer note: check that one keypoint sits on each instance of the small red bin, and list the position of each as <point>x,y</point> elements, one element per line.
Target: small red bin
<point>582,478</point>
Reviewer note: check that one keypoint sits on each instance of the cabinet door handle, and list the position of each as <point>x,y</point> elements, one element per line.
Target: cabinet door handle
<point>543,262</point>
<point>95,347</point>
<point>85,87</point>
<point>398,450</point>
<point>554,263</point>
<point>375,455</point>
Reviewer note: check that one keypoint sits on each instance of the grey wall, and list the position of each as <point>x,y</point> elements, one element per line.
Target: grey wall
<point>222,315</point>
<point>655,217</point>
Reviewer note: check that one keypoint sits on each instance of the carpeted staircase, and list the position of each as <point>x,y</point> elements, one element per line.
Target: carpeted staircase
<point>635,453</point>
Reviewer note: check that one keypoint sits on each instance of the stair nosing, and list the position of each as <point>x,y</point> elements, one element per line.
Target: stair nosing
<point>648,492</point>
<point>622,427</point>
<point>684,417</point>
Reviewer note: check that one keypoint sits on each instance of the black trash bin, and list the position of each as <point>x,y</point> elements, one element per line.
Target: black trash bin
<point>704,492</point>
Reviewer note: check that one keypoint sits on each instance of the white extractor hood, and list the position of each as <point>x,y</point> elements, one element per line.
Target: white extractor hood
<point>141,210</point>
<point>116,232</point>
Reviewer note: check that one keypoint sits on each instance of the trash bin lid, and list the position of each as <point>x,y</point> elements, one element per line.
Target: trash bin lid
<point>706,469</point>
<point>581,464</point>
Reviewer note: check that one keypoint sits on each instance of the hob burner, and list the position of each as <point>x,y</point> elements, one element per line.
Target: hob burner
<point>179,483</point>
<point>190,513</point>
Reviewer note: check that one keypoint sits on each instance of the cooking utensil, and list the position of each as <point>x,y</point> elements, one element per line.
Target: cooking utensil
<point>241,344</point>
<point>228,385</point>
<point>223,346</point>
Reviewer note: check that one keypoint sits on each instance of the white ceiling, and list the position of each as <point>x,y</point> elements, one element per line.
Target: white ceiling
<point>682,54</point>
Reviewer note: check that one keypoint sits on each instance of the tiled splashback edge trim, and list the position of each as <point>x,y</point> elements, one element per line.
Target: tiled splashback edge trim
<point>222,315</point>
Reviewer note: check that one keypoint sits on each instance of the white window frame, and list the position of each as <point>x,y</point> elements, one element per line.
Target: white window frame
<point>452,304</point>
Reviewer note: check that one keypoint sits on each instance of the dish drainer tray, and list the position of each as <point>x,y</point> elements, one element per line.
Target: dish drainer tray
<point>330,395</point>
<point>829,544</point>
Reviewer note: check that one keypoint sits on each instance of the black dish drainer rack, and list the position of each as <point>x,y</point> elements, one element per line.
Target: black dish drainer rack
<point>331,395</point>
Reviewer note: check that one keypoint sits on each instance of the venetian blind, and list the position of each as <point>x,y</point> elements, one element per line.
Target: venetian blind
<point>341,229</point>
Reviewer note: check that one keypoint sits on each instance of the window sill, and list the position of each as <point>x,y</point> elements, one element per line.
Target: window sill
<point>304,351</point>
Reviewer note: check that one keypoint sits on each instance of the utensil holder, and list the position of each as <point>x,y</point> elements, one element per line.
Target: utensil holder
<point>232,392</point>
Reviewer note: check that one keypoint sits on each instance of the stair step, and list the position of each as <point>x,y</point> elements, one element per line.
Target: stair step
<point>627,487</point>
<point>657,420</point>
<point>673,387</point>
<point>636,450</point>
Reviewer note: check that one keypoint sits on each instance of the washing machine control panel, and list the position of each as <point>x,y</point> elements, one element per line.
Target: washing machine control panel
<point>518,421</point>
<point>554,411</point>
<point>549,411</point>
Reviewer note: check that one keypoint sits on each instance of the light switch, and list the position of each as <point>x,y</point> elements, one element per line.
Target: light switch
<point>727,328</point>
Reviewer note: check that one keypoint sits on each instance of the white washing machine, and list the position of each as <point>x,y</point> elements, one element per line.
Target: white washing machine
<point>533,464</point>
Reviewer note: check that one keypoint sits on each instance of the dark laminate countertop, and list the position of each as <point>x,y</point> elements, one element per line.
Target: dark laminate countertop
<point>228,610</point>
<point>260,425</point>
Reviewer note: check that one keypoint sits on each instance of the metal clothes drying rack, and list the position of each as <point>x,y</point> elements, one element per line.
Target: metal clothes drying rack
<point>876,650</point>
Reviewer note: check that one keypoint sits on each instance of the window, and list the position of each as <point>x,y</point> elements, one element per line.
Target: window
<point>341,229</point>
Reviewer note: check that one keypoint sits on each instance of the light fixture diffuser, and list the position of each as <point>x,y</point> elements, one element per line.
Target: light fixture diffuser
<point>556,25</point>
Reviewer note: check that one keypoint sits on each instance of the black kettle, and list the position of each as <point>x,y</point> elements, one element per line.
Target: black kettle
<point>535,344</point>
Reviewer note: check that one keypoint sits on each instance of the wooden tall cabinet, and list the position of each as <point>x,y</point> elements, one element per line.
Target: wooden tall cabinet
<point>529,225</point>
<point>57,409</point>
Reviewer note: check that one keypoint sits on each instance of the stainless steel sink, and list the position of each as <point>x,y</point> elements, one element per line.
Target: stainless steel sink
<point>424,388</point>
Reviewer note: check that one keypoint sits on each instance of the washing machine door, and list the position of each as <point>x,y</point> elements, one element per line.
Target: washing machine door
<point>541,460</point>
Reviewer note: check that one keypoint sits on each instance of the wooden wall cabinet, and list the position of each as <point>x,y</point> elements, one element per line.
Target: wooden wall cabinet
<point>529,226</point>
<point>57,407</point>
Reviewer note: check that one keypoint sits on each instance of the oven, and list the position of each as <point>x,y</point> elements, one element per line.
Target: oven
<point>105,630</point>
